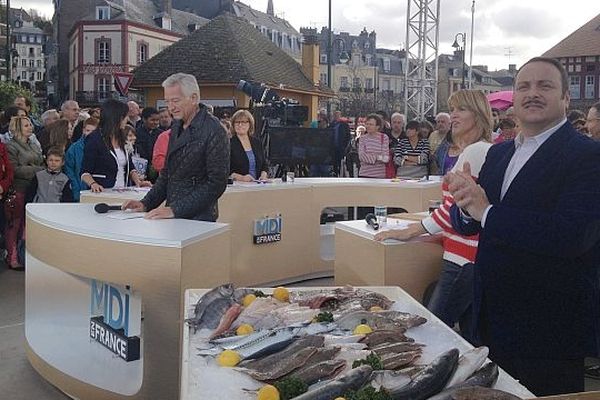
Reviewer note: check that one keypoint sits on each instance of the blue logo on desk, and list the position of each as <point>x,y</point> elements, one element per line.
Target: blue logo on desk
<point>116,319</point>
<point>267,230</point>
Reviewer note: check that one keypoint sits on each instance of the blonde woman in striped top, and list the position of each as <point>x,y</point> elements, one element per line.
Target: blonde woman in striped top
<point>451,301</point>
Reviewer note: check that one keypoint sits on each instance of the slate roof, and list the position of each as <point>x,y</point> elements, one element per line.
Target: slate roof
<point>144,11</point>
<point>263,19</point>
<point>225,50</point>
<point>585,41</point>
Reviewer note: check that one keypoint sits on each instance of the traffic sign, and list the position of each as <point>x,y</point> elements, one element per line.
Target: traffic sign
<point>122,82</point>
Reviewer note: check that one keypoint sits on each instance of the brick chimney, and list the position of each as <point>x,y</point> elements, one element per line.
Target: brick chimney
<point>270,10</point>
<point>310,56</point>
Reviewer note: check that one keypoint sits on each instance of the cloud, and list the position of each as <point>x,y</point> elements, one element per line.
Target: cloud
<point>45,8</point>
<point>527,22</point>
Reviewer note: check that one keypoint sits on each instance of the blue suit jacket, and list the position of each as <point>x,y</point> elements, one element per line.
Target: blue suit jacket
<point>536,280</point>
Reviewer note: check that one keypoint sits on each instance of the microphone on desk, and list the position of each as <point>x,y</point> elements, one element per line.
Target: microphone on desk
<point>371,219</point>
<point>103,208</point>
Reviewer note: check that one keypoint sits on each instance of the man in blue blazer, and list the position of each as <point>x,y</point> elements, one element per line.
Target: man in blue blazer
<point>537,208</point>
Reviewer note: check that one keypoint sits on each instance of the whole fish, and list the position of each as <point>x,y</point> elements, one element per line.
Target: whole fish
<point>322,354</point>
<point>284,366</point>
<point>387,378</point>
<point>482,393</point>
<point>266,363</point>
<point>275,341</point>
<point>484,377</point>
<point>399,360</point>
<point>376,338</point>
<point>211,307</point>
<point>408,320</point>
<point>429,381</point>
<point>352,380</point>
<point>468,363</point>
<point>375,320</point>
<point>230,315</point>
<point>316,372</point>
<point>400,347</point>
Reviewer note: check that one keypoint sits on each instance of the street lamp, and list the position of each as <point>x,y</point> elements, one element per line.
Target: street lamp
<point>463,37</point>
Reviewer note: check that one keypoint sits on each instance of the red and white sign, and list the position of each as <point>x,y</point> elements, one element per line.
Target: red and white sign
<point>122,81</point>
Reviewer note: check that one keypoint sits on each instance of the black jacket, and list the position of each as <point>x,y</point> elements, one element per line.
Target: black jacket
<point>239,160</point>
<point>100,162</point>
<point>145,140</point>
<point>196,169</point>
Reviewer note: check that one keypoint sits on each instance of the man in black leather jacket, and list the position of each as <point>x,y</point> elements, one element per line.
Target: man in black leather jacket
<point>197,162</point>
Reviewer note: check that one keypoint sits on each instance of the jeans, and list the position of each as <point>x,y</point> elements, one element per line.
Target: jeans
<point>452,297</point>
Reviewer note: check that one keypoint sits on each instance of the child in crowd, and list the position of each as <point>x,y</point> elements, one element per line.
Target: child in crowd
<point>74,158</point>
<point>51,185</point>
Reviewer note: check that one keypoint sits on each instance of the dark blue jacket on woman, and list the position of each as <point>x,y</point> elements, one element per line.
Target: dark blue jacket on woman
<point>101,162</point>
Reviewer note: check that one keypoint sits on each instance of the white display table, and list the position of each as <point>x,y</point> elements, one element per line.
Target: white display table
<point>73,254</point>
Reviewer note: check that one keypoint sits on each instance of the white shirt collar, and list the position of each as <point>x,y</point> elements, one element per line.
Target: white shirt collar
<point>540,138</point>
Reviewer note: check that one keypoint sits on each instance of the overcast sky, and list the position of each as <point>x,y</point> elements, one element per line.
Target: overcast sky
<point>523,28</point>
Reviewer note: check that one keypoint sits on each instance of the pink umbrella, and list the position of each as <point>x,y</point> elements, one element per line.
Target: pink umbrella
<point>501,100</point>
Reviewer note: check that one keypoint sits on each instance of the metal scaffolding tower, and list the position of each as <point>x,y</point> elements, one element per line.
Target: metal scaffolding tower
<point>421,69</point>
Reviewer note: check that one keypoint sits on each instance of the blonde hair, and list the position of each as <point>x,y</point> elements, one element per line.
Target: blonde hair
<point>16,126</point>
<point>240,114</point>
<point>476,102</point>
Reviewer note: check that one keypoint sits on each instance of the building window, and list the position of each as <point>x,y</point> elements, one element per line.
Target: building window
<point>575,87</point>
<point>323,58</point>
<point>23,75</point>
<point>31,52</point>
<point>368,59</point>
<point>356,83</point>
<point>142,52</point>
<point>39,63</point>
<point>344,82</point>
<point>24,38</point>
<point>590,68</point>
<point>103,86</point>
<point>578,68</point>
<point>31,39</point>
<point>31,63</point>
<point>386,65</point>
<point>590,85</point>
<point>24,63</point>
<point>38,39</point>
<point>102,12</point>
<point>590,59</point>
<point>369,83</point>
<point>274,36</point>
<point>387,84</point>
<point>39,76</point>
<point>323,79</point>
<point>39,52</point>
<point>102,51</point>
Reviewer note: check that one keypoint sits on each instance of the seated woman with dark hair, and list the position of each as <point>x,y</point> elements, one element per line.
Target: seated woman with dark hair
<point>411,156</point>
<point>106,163</point>
<point>247,161</point>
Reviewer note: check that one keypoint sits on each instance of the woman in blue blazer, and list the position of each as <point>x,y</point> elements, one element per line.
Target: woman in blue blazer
<point>106,163</point>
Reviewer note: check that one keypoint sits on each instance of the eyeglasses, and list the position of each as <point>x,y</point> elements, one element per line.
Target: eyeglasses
<point>241,122</point>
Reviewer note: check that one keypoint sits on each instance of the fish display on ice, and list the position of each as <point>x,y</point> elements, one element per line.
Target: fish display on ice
<point>230,315</point>
<point>314,373</point>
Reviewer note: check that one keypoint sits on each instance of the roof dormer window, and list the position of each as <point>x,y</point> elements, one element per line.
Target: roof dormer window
<point>102,13</point>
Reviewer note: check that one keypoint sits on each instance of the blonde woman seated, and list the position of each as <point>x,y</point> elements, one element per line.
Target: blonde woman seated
<point>247,161</point>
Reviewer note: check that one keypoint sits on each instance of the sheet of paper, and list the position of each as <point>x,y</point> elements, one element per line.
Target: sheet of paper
<point>122,215</point>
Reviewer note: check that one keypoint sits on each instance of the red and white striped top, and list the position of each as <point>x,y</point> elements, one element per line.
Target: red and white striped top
<point>458,249</point>
<point>370,146</point>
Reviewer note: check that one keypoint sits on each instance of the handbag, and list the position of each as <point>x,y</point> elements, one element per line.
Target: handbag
<point>390,167</point>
